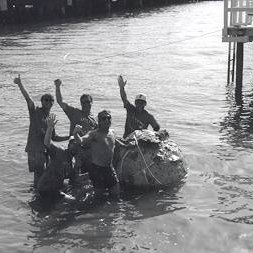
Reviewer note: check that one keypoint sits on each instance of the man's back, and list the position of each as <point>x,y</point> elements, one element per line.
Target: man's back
<point>59,167</point>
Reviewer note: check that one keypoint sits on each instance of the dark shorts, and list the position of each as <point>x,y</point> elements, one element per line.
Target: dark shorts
<point>37,161</point>
<point>82,160</point>
<point>102,177</point>
<point>51,195</point>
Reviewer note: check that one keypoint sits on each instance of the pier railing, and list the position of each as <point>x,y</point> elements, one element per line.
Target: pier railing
<point>238,21</point>
<point>237,30</point>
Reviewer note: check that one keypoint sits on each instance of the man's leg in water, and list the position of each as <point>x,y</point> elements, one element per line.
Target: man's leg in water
<point>37,162</point>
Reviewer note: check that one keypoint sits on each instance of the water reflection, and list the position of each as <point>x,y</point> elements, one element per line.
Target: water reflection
<point>97,226</point>
<point>237,126</point>
<point>235,195</point>
<point>146,205</point>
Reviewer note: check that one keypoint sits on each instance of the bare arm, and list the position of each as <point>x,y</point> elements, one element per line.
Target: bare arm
<point>51,122</point>
<point>154,123</point>
<point>122,84</point>
<point>58,94</point>
<point>131,144</point>
<point>58,138</point>
<point>85,139</point>
<point>29,101</point>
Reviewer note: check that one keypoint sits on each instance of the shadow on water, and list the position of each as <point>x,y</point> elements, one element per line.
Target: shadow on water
<point>94,225</point>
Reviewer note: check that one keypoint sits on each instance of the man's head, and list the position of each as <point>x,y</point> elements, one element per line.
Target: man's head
<point>104,119</point>
<point>86,102</point>
<point>47,101</point>
<point>72,146</point>
<point>140,102</point>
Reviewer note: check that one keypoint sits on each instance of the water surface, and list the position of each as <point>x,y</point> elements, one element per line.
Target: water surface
<point>175,55</point>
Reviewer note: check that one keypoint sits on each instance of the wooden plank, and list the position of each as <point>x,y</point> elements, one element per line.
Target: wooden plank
<point>242,39</point>
<point>239,9</point>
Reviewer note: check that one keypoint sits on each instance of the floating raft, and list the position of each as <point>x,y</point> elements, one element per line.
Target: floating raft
<point>156,161</point>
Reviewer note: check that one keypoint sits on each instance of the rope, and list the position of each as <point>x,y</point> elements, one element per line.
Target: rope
<point>139,50</point>
<point>148,48</point>
<point>147,167</point>
<point>122,161</point>
<point>66,56</point>
<point>121,167</point>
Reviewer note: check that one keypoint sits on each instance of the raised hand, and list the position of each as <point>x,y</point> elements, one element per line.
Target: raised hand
<point>121,81</point>
<point>78,130</point>
<point>17,80</point>
<point>57,82</point>
<point>51,120</point>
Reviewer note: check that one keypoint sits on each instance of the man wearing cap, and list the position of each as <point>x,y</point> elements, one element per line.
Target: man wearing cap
<point>102,144</point>
<point>35,148</point>
<point>81,117</point>
<point>137,117</point>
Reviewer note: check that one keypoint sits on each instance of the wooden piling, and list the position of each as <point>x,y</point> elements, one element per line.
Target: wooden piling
<point>239,68</point>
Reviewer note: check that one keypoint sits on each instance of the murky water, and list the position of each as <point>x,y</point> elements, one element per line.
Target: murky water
<point>176,56</point>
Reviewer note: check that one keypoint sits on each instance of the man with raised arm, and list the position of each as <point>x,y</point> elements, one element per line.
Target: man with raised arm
<point>35,148</point>
<point>60,165</point>
<point>81,117</point>
<point>137,117</point>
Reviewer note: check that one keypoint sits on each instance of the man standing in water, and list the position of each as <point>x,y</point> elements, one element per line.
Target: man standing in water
<point>35,148</point>
<point>102,144</point>
<point>60,166</point>
<point>82,117</point>
<point>137,117</point>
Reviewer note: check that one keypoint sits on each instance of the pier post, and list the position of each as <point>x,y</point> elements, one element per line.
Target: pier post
<point>239,69</point>
<point>124,4</point>
<point>108,6</point>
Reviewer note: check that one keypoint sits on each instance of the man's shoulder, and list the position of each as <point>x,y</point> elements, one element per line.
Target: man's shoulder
<point>36,110</point>
<point>129,106</point>
<point>146,112</point>
<point>92,117</point>
<point>72,109</point>
<point>33,107</point>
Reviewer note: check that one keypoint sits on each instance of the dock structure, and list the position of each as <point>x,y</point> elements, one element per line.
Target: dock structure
<point>237,30</point>
<point>24,11</point>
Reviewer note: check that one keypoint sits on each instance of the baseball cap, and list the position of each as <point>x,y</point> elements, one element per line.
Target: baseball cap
<point>141,96</point>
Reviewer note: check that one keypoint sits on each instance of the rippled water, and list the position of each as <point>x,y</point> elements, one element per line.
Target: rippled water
<point>176,56</point>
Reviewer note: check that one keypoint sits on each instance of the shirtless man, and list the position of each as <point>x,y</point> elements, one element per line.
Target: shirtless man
<point>102,143</point>
<point>137,117</point>
<point>35,148</point>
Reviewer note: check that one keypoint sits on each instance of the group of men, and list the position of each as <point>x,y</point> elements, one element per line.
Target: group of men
<point>91,142</point>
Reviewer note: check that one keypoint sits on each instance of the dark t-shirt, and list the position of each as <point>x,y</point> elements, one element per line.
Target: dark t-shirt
<point>76,116</point>
<point>59,167</point>
<point>37,130</point>
<point>137,121</point>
